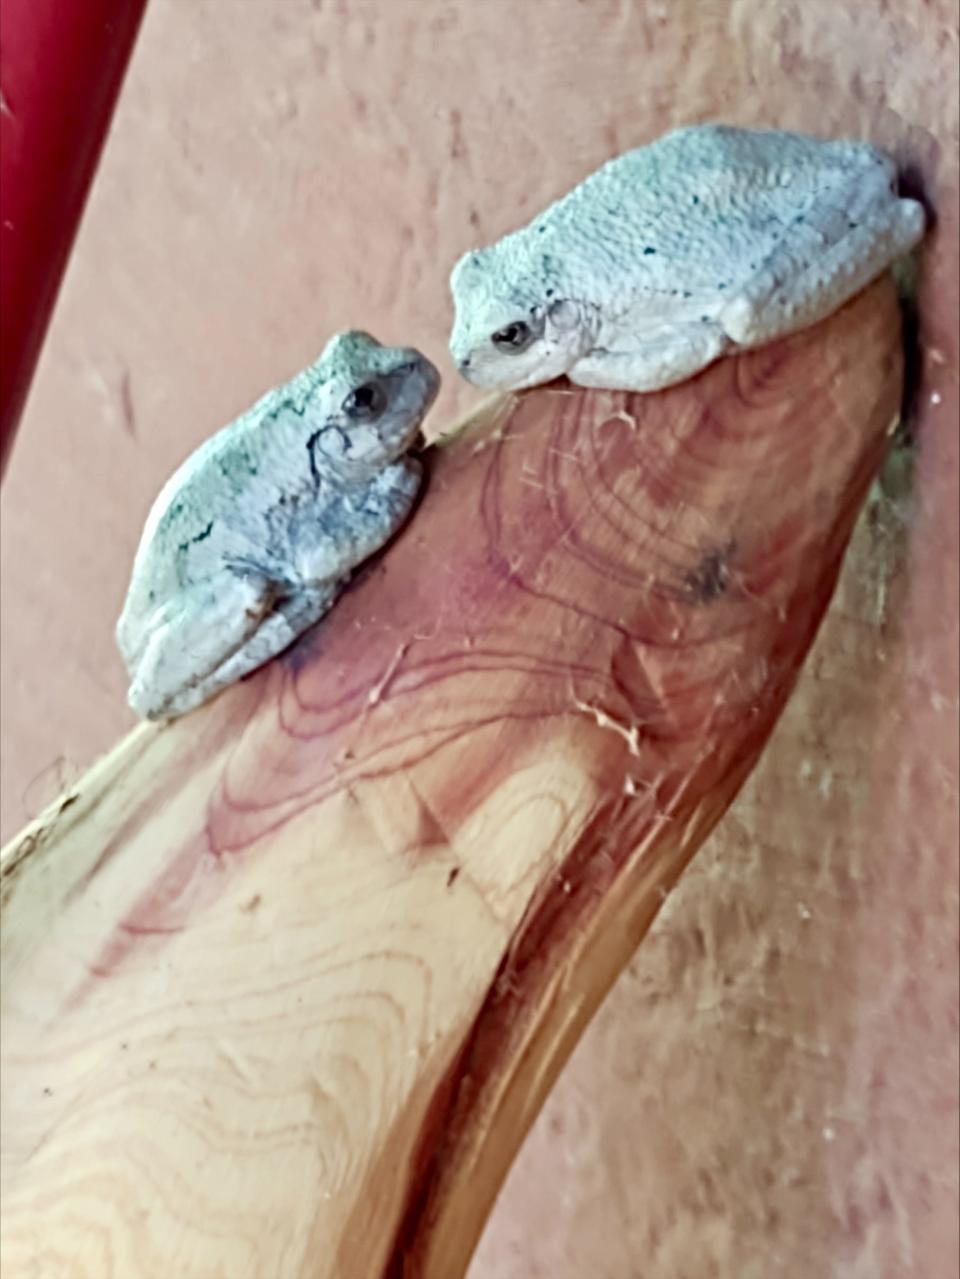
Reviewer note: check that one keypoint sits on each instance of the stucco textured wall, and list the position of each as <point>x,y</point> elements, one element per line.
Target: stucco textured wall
<point>771,1089</point>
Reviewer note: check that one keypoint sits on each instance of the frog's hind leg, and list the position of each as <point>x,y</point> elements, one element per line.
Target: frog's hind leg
<point>671,356</point>
<point>203,626</point>
<point>289,618</point>
<point>819,265</point>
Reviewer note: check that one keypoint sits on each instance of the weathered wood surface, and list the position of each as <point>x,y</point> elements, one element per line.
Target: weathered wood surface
<point>284,983</point>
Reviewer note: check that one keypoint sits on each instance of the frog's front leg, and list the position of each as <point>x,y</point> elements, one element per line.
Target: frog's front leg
<point>822,262</point>
<point>387,503</point>
<point>649,364</point>
<point>357,525</point>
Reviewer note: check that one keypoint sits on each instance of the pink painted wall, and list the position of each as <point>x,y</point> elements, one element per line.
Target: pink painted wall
<point>771,1088</point>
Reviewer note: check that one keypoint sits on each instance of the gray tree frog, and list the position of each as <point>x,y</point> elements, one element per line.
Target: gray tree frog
<point>251,540</point>
<point>708,239</point>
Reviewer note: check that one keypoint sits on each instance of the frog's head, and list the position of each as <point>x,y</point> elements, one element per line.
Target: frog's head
<point>512,328</point>
<point>364,403</point>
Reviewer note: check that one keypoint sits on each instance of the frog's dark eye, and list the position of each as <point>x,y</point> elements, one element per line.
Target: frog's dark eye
<point>513,338</point>
<point>364,403</point>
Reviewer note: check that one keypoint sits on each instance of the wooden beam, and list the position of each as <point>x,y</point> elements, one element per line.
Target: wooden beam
<point>285,982</point>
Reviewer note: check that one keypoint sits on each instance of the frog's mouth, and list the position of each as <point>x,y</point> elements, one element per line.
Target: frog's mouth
<point>419,442</point>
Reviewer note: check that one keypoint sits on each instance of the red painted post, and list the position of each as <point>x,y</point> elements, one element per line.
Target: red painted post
<point>61,66</point>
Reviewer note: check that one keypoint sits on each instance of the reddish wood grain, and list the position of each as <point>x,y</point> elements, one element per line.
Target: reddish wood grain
<point>524,716</point>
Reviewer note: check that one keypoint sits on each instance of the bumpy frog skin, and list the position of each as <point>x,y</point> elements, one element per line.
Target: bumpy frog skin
<point>709,239</point>
<point>251,540</point>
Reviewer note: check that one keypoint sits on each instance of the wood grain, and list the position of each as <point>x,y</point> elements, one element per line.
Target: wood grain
<point>285,982</point>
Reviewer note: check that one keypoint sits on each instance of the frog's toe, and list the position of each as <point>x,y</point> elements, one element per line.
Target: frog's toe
<point>739,320</point>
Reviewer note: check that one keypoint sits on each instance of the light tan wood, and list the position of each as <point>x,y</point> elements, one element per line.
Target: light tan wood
<point>285,982</point>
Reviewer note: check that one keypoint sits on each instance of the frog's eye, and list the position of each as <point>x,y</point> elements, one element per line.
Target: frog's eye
<point>364,403</point>
<point>513,339</point>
